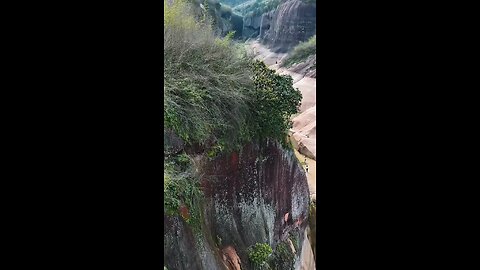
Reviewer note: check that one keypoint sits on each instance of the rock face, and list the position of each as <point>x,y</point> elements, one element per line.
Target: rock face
<point>291,22</point>
<point>256,26</point>
<point>307,68</point>
<point>251,26</point>
<point>223,22</point>
<point>258,195</point>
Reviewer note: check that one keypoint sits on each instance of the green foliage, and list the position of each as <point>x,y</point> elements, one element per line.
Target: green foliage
<point>205,83</point>
<point>182,160</point>
<point>259,253</point>
<point>274,100</point>
<point>283,257</point>
<point>175,15</point>
<point>180,187</point>
<point>301,52</point>
<point>227,40</point>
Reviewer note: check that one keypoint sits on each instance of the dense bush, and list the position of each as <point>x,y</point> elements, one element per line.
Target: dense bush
<point>181,188</point>
<point>282,258</point>
<point>301,52</point>
<point>259,253</point>
<point>205,80</point>
<point>274,100</point>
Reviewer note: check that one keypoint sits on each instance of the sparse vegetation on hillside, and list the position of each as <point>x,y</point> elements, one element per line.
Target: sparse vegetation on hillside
<point>282,258</point>
<point>182,194</point>
<point>214,92</point>
<point>205,80</point>
<point>301,52</point>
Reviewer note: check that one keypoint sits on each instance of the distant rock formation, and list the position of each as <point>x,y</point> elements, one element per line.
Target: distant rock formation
<point>293,21</point>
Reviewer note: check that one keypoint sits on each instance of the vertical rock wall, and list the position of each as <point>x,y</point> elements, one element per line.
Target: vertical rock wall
<point>257,195</point>
<point>293,21</point>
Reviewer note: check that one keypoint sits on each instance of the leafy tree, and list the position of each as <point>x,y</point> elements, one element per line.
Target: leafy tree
<point>274,101</point>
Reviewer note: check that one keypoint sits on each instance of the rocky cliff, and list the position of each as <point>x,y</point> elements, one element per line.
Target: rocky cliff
<point>291,22</point>
<point>256,195</point>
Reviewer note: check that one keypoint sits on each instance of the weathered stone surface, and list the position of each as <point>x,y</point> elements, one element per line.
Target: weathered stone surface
<point>257,195</point>
<point>308,68</point>
<point>291,22</point>
<point>252,21</point>
<point>231,258</point>
<point>252,25</point>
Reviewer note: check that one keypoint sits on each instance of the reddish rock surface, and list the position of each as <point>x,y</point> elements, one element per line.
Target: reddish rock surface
<point>247,195</point>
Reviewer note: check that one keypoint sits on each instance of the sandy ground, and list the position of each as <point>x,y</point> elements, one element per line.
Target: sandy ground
<point>303,132</point>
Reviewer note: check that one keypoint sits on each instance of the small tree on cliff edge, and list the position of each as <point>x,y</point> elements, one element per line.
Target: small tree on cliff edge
<point>274,102</point>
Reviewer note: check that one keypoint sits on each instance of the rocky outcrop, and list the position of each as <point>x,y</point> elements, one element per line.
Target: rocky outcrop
<point>223,21</point>
<point>256,26</point>
<point>293,21</point>
<point>257,195</point>
<point>251,26</point>
<point>307,68</point>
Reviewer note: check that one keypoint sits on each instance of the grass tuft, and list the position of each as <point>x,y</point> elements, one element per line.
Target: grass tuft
<point>301,52</point>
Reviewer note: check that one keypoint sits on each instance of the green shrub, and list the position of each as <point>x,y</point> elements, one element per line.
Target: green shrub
<point>180,187</point>
<point>259,253</point>
<point>301,52</point>
<point>205,80</point>
<point>274,100</point>
<point>283,257</point>
<point>176,15</point>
